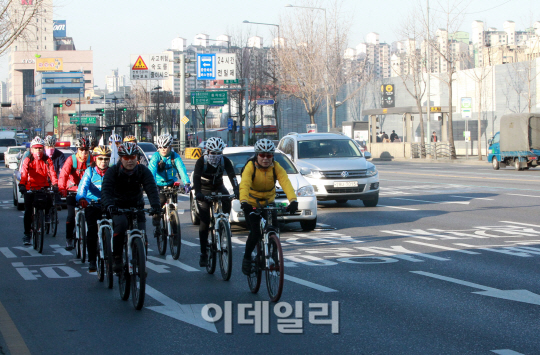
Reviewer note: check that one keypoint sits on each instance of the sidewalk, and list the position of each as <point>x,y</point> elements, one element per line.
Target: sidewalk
<point>460,160</point>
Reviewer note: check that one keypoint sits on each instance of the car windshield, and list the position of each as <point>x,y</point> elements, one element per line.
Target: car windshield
<point>148,147</point>
<point>15,150</point>
<point>327,148</point>
<point>6,142</point>
<point>239,160</point>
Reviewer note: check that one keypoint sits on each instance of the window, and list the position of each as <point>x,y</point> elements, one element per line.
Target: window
<point>49,81</point>
<point>326,148</point>
<point>87,72</point>
<point>88,81</point>
<point>77,80</point>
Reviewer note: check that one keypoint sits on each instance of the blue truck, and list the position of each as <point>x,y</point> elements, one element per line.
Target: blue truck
<point>517,143</point>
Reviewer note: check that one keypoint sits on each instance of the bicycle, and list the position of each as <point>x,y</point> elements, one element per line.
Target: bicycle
<point>80,233</point>
<point>219,237</point>
<point>38,218</point>
<point>269,255</point>
<point>51,225</point>
<point>169,227</point>
<point>133,272</point>
<point>104,252</point>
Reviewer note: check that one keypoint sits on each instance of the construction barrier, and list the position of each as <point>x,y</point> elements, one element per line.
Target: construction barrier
<point>193,153</point>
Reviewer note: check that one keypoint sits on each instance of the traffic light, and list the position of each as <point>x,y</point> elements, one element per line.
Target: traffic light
<point>100,110</point>
<point>6,104</point>
<point>57,105</point>
<point>71,114</point>
<point>125,109</point>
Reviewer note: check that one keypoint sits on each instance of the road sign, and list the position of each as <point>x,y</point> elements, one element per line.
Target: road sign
<point>10,116</point>
<point>37,129</point>
<point>206,67</point>
<point>84,120</point>
<point>436,109</point>
<point>68,102</point>
<point>149,66</point>
<point>230,124</point>
<point>214,98</point>
<point>311,128</point>
<point>466,107</point>
<point>235,81</point>
<point>220,66</point>
<point>184,120</point>
<point>265,102</point>
<point>467,135</point>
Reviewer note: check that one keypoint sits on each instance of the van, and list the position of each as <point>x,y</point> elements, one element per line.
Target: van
<point>7,139</point>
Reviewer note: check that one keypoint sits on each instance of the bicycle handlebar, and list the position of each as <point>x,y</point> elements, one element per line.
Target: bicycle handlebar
<point>134,210</point>
<point>218,197</point>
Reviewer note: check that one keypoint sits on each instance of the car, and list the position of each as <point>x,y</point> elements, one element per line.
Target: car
<point>307,202</point>
<point>148,149</point>
<point>10,156</point>
<point>18,198</point>
<point>334,165</point>
<point>5,143</point>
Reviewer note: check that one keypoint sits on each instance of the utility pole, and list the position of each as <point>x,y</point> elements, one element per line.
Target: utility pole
<point>248,125</point>
<point>428,113</point>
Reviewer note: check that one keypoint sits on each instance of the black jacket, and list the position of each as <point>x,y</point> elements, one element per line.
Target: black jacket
<point>212,178</point>
<point>58,160</point>
<point>124,191</point>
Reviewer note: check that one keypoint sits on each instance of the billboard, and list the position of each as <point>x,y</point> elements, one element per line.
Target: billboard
<point>59,28</point>
<point>387,96</point>
<point>49,64</point>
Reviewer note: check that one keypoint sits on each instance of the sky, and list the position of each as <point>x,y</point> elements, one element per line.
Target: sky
<point>115,29</point>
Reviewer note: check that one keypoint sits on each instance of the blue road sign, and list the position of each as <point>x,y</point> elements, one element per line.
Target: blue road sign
<point>37,129</point>
<point>206,67</point>
<point>230,124</point>
<point>265,102</point>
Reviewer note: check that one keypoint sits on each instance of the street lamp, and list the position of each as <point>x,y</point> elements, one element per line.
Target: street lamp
<point>279,86</point>
<point>326,56</point>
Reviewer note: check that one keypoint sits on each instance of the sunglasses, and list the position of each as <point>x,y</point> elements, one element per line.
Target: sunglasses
<point>213,153</point>
<point>266,155</point>
<point>129,157</point>
<point>103,159</point>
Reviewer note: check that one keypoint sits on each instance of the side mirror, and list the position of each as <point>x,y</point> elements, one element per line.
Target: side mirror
<point>305,171</point>
<point>367,155</point>
<point>490,141</point>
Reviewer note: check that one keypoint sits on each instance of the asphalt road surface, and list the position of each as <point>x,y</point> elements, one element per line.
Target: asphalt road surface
<point>448,263</point>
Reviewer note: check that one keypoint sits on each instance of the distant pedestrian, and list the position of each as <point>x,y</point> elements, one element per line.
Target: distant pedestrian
<point>385,138</point>
<point>434,137</point>
<point>393,136</point>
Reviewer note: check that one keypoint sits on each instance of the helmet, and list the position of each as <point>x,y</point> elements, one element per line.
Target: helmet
<point>82,143</point>
<point>37,141</point>
<point>102,150</point>
<point>92,141</point>
<point>50,141</point>
<point>215,145</point>
<point>130,138</point>
<point>164,141</point>
<point>115,138</point>
<point>128,148</point>
<point>264,146</point>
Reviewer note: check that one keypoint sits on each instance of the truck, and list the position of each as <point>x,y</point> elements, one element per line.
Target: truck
<point>7,139</point>
<point>517,143</point>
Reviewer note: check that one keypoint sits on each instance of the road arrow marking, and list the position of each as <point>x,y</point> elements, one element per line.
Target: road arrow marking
<point>511,295</point>
<point>188,313</point>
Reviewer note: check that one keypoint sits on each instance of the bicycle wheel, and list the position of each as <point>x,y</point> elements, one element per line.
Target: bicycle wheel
<point>175,242</point>
<point>254,279</point>
<point>82,237</point>
<point>40,224</point>
<point>124,279</point>
<point>162,236</point>
<point>34,230</point>
<point>225,254</point>
<point>211,252</point>
<point>53,224</point>
<point>138,278</point>
<point>108,257</point>
<point>275,272</point>
<point>77,240</point>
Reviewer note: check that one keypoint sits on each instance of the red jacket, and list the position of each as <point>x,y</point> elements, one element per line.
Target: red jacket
<point>36,174</point>
<point>70,177</point>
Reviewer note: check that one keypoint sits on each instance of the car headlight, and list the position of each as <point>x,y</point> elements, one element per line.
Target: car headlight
<point>372,171</point>
<point>305,191</point>
<point>316,174</point>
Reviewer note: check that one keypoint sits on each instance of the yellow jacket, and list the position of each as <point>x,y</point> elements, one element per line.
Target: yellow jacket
<point>263,186</point>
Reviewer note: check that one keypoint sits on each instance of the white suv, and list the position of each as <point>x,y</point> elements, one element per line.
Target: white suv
<point>334,165</point>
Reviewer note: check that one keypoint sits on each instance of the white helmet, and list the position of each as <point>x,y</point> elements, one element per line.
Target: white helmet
<point>264,145</point>
<point>37,141</point>
<point>215,145</point>
<point>115,138</point>
<point>164,141</point>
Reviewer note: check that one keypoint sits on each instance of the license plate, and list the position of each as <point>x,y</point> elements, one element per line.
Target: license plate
<point>346,184</point>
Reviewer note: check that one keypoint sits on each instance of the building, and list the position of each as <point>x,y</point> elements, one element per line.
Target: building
<point>114,81</point>
<point>377,55</point>
<point>3,91</point>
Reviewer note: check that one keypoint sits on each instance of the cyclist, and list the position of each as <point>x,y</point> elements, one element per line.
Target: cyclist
<point>90,190</point>
<point>70,176</point>
<point>56,156</point>
<point>142,157</point>
<point>92,141</point>
<point>37,171</point>
<point>114,139</point>
<point>122,187</point>
<point>130,138</point>
<point>208,178</point>
<point>258,185</point>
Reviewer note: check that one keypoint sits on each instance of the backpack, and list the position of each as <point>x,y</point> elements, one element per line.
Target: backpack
<point>253,159</point>
<point>74,161</point>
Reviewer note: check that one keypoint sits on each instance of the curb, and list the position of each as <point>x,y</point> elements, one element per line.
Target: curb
<point>438,161</point>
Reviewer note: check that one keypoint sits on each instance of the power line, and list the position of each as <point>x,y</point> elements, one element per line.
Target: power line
<point>494,7</point>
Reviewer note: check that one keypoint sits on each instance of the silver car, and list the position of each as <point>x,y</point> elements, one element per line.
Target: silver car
<point>334,165</point>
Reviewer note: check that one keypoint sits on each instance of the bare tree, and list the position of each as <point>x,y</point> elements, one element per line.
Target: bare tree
<point>479,75</point>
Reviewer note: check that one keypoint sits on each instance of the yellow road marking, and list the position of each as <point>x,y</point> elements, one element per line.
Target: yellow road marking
<point>456,176</point>
<point>13,338</point>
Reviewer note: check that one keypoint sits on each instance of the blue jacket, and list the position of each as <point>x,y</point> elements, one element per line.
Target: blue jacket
<point>167,176</point>
<point>58,159</point>
<point>90,185</point>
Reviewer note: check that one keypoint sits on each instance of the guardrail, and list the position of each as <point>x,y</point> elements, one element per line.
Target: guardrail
<point>433,150</point>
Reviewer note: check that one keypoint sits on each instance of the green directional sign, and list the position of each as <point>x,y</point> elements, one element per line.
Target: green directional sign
<point>84,120</point>
<point>209,98</point>
<point>235,81</point>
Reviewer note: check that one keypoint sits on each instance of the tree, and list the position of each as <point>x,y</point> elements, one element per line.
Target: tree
<point>479,75</point>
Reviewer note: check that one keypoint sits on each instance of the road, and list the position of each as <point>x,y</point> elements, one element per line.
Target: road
<point>446,264</point>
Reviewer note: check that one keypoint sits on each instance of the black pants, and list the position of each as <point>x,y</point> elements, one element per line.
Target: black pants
<point>29,210</point>
<point>162,198</point>
<point>254,223</point>
<point>204,214</point>
<point>120,226</point>
<point>70,221</point>
<point>92,214</point>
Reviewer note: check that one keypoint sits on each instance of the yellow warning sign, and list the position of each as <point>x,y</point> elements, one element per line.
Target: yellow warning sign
<point>139,64</point>
<point>193,153</point>
<point>184,120</point>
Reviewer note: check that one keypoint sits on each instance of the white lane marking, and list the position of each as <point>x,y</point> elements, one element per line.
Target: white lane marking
<point>473,198</point>
<point>323,225</point>
<point>440,202</point>
<point>169,260</point>
<point>160,269</point>
<point>190,244</point>
<point>506,352</point>
<point>309,284</point>
<point>506,250</point>
<point>524,296</point>
<point>523,195</point>
<point>237,241</point>
<point>400,208</point>
<point>441,247</point>
<point>7,253</point>
<point>522,224</point>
